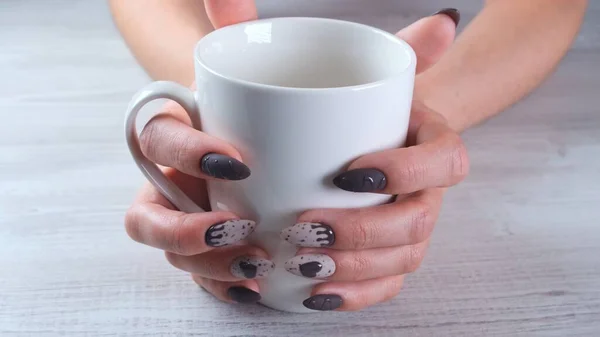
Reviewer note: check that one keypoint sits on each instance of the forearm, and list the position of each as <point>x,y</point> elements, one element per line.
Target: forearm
<point>506,51</point>
<point>162,34</point>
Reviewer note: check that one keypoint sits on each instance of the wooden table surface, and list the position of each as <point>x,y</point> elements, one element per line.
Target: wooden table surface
<point>516,251</point>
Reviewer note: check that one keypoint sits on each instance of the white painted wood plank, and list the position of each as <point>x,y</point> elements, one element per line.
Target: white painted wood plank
<point>516,251</point>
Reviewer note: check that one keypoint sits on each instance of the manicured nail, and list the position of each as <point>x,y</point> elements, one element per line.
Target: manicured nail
<point>311,265</point>
<point>224,167</point>
<point>250,267</point>
<point>452,13</point>
<point>361,180</point>
<point>323,302</point>
<point>228,232</point>
<point>308,234</point>
<point>243,295</point>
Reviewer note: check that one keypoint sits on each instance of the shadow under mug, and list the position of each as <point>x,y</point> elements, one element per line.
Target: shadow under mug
<point>300,98</point>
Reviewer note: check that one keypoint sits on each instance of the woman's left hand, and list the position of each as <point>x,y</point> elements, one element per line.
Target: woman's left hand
<point>365,253</point>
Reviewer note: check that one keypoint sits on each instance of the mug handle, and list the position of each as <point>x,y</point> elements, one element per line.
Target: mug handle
<point>184,97</point>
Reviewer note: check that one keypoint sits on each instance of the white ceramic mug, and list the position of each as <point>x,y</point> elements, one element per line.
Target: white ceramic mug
<point>300,98</point>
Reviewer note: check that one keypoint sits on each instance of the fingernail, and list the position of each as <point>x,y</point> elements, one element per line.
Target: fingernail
<point>361,180</point>
<point>228,232</point>
<point>224,167</point>
<point>311,265</point>
<point>243,295</point>
<point>323,302</point>
<point>452,13</point>
<point>308,234</point>
<point>250,267</point>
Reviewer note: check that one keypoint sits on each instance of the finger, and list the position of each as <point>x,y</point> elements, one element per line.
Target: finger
<point>352,296</point>
<point>168,141</point>
<point>430,37</point>
<point>438,160</point>
<point>244,292</point>
<point>181,233</point>
<point>227,264</point>
<point>352,265</point>
<point>228,12</point>
<point>191,186</point>
<point>404,222</point>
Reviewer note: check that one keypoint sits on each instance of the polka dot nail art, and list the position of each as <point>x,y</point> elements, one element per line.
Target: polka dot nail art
<point>229,232</point>
<point>250,267</point>
<point>311,265</point>
<point>308,234</point>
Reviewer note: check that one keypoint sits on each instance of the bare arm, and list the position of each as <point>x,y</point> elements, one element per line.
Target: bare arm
<point>504,53</point>
<point>162,34</point>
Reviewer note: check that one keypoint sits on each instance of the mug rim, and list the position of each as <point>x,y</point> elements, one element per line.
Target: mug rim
<point>246,83</point>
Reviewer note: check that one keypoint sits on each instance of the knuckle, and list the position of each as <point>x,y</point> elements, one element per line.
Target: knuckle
<point>210,269</point>
<point>413,170</point>
<point>422,222</point>
<point>182,147</point>
<point>413,258</point>
<point>363,231</point>
<point>359,266</point>
<point>132,223</point>
<point>394,285</point>
<point>357,301</point>
<point>177,237</point>
<point>148,136</point>
<point>458,161</point>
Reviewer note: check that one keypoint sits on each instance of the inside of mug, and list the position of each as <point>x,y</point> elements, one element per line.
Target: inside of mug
<point>303,53</point>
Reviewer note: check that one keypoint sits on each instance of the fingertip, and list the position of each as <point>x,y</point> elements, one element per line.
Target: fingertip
<point>243,295</point>
<point>224,167</point>
<point>228,12</point>
<point>244,292</point>
<point>451,13</point>
<point>361,180</point>
<point>429,37</point>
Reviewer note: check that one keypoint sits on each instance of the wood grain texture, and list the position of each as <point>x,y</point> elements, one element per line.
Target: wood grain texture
<point>516,251</point>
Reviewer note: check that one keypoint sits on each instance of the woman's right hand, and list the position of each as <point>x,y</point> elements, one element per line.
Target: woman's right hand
<point>208,245</point>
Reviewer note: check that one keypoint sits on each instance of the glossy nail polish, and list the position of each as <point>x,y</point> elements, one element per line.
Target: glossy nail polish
<point>243,295</point>
<point>308,234</point>
<point>311,265</point>
<point>323,302</point>
<point>361,180</point>
<point>452,13</point>
<point>223,167</point>
<point>251,267</point>
<point>228,232</point>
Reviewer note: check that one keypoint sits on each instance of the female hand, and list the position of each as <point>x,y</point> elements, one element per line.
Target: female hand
<point>190,239</point>
<point>210,245</point>
<point>364,253</point>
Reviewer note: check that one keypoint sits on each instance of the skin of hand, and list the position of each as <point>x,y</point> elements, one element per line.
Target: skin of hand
<point>373,247</point>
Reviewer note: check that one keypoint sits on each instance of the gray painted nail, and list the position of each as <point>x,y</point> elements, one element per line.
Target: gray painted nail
<point>243,295</point>
<point>452,13</point>
<point>308,234</point>
<point>228,232</point>
<point>311,265</point>
<point>224,167</point>
<point>361,180</point>
<point>250,267</point>
<point>323,302</point>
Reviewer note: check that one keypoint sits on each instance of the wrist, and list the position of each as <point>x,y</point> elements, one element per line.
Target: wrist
<point>429,94</point>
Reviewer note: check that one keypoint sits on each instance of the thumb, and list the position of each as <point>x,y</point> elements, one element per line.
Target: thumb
<point>228,12</point>
<point>430,37</point>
